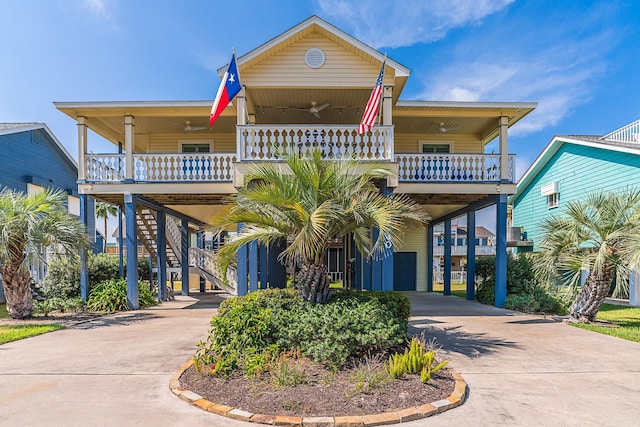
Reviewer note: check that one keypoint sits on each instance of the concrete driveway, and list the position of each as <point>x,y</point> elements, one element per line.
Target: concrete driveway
<point>521,370</point>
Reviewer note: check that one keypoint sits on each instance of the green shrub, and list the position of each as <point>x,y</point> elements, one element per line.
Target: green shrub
<point>111,296</point>
<point>352,324</point>
<point>63,274</point>
<point>524,293</point>
<point>63,278</point>
<point>56,304</point>
<point>525,303</point>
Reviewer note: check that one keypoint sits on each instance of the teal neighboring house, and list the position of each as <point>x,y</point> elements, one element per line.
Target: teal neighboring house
<point>567,169</point>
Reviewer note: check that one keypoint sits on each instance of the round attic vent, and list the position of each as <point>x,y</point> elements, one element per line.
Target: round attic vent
<point>314,58</point>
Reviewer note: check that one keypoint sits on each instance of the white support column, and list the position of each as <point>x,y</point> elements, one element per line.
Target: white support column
<point>241,107</point>
<point>387,107</point>
<point>82,148</point>
<point>504,149</point>
<point>128,147</point>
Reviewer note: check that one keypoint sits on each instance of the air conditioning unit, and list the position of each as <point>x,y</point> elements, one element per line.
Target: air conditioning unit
<point>514,234</point>
<point>550,188</point>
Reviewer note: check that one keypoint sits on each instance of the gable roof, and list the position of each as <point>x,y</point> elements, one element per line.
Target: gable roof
<point>558,141</point>
<point>11,128</point>
<point>315,24</point>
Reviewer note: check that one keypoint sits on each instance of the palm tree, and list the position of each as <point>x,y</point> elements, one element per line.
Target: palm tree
<point>28,223</point>
<point>600,235</point>
<point>105,210</point>
<point>310,203</point>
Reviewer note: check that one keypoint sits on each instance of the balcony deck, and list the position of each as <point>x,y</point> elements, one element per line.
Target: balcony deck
<point>260,143</point>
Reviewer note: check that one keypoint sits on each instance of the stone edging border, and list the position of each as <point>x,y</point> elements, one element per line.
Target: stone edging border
<point>409,414</point>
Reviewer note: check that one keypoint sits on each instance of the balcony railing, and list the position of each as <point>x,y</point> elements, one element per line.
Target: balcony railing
<point>462,250</point>
<point>269,143</point>
<point>179,167</point>
<point>629,134</point>
<point>206,167</point>
<point>451,167</point>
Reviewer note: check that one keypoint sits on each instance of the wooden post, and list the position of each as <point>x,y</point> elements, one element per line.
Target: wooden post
<point>504,149</point>
<point>82,148</point>
<point>128,147</point>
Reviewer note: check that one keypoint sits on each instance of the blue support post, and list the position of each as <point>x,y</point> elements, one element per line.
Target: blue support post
<point>388,260</point>
<point>430,258</point>
<point>161,243</point>
<point>376,267</point>
<point>263,270</point>
<point>366,274</point>
<point>242,267</point>
<point>253,266</point>
<point>200,237</point>
<point>277,271</point>
<point>184,255</point>
<point>120,244</point>
<point>471,254</point>
<point>501,250</point>
<point>132,251</point>
<point>84,269</point>
<point>447,257</point>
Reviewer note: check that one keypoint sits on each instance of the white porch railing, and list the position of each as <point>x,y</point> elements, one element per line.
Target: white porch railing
<point>104,167</point>
<point>209,167</point>
<point>629,134</point>
<point>269,142</point>
<point>456,276</point>
<point>462,250</point>
<point>451,167</point>
<point>174,167</point>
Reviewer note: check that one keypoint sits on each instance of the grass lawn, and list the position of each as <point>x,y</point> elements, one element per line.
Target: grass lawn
<point>3,311</point>
<point>457,289</point>
<point>18,332</point>
<point>627,318</point>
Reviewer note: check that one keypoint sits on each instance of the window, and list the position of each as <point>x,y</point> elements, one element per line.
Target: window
<point>196,148</point>
<point>436,148</point>
<point>552,200</point>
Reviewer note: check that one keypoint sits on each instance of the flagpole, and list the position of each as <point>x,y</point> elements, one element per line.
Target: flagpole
<point>384,65</point>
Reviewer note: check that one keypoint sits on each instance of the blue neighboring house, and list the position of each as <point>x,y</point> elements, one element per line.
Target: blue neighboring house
<point>569,168</point>
<point>34,159</point>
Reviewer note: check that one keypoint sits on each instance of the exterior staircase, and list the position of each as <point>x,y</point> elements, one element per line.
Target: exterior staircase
<point>201,262</point>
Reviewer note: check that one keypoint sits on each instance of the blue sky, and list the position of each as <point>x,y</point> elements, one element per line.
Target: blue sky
<point>578,59</point>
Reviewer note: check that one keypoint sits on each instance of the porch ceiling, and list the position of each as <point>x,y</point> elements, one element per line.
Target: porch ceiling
<point>290,106</point>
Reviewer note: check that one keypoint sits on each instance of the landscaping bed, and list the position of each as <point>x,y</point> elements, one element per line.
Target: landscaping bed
<point>324,394</point>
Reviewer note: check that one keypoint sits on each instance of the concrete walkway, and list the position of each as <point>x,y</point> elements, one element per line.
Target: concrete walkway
<point>521,370</point>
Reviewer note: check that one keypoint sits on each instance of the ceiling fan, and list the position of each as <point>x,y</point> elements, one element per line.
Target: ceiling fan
<point>440,128</point>
<point>189,128</point>
<point>314,110</point>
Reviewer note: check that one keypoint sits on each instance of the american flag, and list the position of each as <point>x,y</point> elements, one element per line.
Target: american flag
<point>371,110</point>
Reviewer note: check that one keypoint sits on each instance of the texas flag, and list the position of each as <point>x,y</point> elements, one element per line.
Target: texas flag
<point>229,87</point>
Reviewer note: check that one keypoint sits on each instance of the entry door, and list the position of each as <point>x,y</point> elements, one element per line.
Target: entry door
<point>404,271</point>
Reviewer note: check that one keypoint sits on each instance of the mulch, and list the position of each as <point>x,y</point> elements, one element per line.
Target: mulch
<point>324,394</point>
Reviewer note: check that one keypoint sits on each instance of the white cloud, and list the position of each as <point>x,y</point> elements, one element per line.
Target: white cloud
<point>98,8</point>
<point>560,74</point>
<point>396,23</point>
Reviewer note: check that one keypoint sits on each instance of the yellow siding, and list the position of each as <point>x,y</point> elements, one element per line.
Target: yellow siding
<point>416,241</point>
<point>288,68</point>
<point>170,143</point>
<point>409,143</point>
